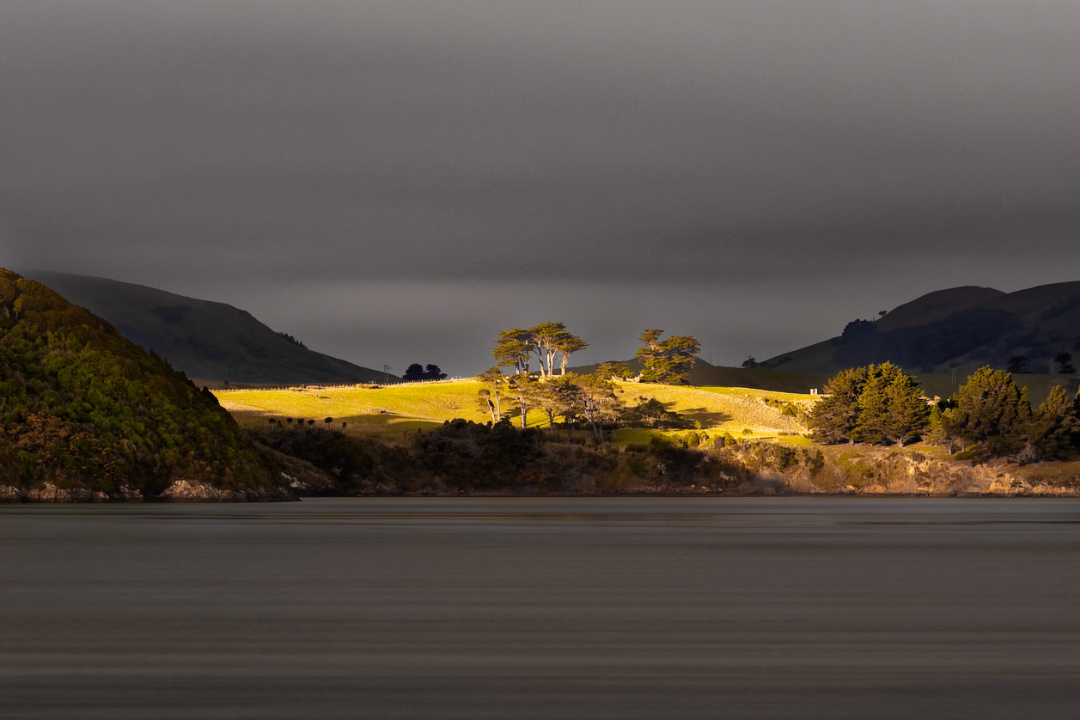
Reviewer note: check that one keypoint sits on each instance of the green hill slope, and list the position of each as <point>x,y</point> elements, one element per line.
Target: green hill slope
<point>207,340</point>
<point>87,414</point>
<point>961,328</point>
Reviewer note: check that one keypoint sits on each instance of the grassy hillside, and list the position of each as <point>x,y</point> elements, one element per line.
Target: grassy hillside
<point>207,340</point>
<point>395,410</point>
<point>704,374</point>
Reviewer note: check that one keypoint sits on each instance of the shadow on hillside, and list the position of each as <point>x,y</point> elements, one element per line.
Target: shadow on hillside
<point>706,417</point>
<point>386,425</point>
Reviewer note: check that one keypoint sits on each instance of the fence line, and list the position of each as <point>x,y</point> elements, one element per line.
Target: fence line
<point>315,386</point>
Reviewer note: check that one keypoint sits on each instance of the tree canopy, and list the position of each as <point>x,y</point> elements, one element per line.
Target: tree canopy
<point>415,373</point>
<point>85,409</point>
<point>990,410</point>
<point>550,342</point>
<point>874,404</point>
<point>667,361</point>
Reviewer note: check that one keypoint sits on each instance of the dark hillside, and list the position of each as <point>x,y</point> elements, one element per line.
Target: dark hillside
<point>962,328</point>
<point>93,415</point>
<point>207,340</point>
<point>936,306</point>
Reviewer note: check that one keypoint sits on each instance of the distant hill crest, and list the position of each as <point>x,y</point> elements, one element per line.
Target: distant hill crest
<point>205,339</point>
<point>962,327</point>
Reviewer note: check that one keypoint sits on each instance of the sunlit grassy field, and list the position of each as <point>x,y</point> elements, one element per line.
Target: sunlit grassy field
<point>396,409</point>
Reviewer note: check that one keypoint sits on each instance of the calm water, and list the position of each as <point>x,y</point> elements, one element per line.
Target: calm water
<point>543,608</point>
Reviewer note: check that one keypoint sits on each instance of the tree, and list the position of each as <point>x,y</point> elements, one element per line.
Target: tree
<point>544,339</point>
<point>1053,427</point>
<point>549,341</point>
<point>667,361</point>
<point>555,396</point>
<point>989,409</point>
<point>597,402</point>
<point>890,407</point>
<point>568,345</point>
<point>513,349</point>
<point>490,396</point>
<point>1018,365</point>
<point>415,373</point>
<point>1064,364</point>
<point>834,417</point>
<point>858,329</point>
<point>522,388</point>
<point>613,371</point>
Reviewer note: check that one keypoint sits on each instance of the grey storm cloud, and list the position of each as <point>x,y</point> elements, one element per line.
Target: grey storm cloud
<point>724,161</point>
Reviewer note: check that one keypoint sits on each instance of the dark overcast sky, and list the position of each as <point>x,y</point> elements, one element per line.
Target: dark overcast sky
<point>394,182</point>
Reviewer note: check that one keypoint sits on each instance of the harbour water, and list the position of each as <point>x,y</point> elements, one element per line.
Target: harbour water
<point>542,608</point>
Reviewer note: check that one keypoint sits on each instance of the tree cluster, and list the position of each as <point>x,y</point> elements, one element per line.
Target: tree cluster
<point>874,404</point>
<point>549,342</point>
<point>990,416</point>
<point>576,399</point>
<point>415,373</point>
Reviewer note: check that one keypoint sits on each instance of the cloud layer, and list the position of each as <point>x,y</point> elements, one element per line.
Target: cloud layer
<point>753,173</point>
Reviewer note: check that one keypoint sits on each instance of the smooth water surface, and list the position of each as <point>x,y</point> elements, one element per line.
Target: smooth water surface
<point>542,608</point>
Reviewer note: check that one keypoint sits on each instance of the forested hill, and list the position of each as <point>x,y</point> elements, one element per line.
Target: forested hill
<point>89,414</point>
<point>207,340</point>
<point>1036,330</point>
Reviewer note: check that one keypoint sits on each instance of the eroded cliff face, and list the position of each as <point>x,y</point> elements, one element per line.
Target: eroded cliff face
<point>876,471</point>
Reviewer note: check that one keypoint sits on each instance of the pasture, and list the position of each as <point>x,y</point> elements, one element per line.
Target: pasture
<point>396,409</point>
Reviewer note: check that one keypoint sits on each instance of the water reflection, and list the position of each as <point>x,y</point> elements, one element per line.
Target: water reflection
<point>543,608</point>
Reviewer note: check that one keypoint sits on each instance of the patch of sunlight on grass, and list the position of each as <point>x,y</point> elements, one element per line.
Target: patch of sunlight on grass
<point>733,410</point>
<point>397,409</point>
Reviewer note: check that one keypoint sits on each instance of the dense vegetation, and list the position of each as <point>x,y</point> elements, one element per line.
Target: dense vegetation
<point>85,409</point>
<point>989,416</point>
<point>466,456</point>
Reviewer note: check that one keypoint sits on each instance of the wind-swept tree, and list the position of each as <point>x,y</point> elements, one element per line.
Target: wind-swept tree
<point>544,339</point>
<point>667,361</point>
<point>513,349</point>
<point>568,345</point>
<point>550,342</point>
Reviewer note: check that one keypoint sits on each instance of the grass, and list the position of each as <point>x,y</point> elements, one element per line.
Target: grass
<point>398,409</point>
<point>392,410</point>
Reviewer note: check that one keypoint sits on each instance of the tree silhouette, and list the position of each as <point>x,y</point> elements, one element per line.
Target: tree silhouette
<point>1018,365</point>
<point>667,361</point>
